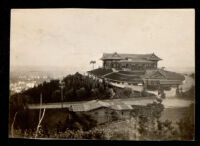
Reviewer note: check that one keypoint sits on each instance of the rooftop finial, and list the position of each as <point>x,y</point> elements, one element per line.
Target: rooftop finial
<point>115,54</point>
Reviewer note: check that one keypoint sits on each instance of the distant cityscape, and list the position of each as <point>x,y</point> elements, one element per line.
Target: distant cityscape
<point>23,78</point>
<point>26,80</point>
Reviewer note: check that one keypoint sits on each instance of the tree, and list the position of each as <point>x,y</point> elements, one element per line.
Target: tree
<point>68,94</point>
<point>81,93</point>
<point>186,125</point>
<point>127,91</point>
<point>55,97</point>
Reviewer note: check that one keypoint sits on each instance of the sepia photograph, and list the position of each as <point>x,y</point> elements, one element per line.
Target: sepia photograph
<point>102,74</point>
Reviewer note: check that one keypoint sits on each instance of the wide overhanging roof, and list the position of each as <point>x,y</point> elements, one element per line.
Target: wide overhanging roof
<point>116,56</point>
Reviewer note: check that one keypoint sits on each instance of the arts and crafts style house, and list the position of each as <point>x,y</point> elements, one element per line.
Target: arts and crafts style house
<point>136,69</point>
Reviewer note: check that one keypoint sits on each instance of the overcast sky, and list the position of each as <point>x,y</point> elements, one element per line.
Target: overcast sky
<point>73,37</point>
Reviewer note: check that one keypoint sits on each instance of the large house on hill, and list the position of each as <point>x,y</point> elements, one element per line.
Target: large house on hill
<point>136,69</point>
<point>130,61</point>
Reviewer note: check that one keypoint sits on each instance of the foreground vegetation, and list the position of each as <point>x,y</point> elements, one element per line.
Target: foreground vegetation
<point>143,124</point>
<point>77,87</point>
<point>139,126</point>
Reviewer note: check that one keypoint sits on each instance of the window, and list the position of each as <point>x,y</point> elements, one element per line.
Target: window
<point>155,65</point>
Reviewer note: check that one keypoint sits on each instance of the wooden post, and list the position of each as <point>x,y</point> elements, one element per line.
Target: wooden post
<point>38,126</point>
<point>61,97</point>
<point>12,127</point>
<point>177,91</point>
<point>159,89</point>
<point>61,90</point>
<point>40,106</point>
<point>145,84</point>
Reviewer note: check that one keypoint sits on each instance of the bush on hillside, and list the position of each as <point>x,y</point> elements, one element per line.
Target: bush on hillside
<point>127,91</point>
<point>190,94</point>
<point>77,88</point>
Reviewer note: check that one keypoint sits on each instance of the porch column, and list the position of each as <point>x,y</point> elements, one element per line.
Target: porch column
<point>144,84</point>
<point>177,91</point>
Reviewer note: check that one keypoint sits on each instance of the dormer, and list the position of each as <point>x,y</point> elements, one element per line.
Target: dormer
<point>153,57</point>
<point>116,55</point>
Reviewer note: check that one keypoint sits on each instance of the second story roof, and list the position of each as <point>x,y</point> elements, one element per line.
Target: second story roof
<point>121,56</point>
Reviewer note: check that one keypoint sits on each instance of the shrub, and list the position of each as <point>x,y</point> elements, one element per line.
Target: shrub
<point>81,93</point>
<point>127,91</point>
<point>186,125</point>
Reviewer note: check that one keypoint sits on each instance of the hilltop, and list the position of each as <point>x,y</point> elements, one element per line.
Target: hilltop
<point>77,87</point>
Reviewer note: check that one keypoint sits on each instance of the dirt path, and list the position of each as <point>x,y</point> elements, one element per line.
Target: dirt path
<point>129,101</point>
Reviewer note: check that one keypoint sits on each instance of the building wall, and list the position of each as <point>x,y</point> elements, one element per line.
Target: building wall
<point>124,114</point>
<point>101,115</point>
<point>105,115</point>
<point>129,65</point>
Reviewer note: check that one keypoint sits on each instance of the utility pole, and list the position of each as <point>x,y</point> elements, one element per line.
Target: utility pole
<point>62,84</point>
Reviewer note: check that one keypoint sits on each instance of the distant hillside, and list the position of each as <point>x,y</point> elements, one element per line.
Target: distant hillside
<point>52,71</point>
<point>187,70</point>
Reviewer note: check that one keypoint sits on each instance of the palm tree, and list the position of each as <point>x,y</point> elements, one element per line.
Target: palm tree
<point>92,62</point>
